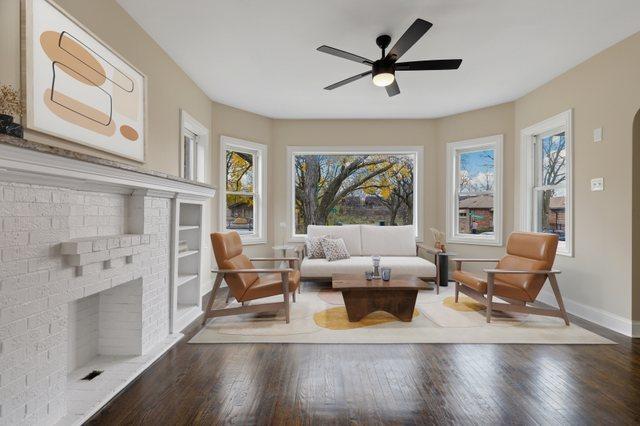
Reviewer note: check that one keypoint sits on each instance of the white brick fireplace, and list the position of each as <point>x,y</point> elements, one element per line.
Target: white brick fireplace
<point>85,282</point>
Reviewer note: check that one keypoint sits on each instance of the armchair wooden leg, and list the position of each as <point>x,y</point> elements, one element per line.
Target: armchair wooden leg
<point>285,291</point>
<point>489,296</point>
<point>216,286</point>
<point>556,292</point>
<point>457,288</point>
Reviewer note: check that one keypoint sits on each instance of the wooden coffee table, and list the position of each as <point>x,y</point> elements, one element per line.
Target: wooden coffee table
<point>361,297</point>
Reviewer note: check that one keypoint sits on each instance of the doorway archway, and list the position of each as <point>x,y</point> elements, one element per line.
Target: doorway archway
<point>635,249</point>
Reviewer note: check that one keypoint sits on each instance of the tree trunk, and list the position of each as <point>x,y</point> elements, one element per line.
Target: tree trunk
<point>310,190</point>
<point>393,213</point>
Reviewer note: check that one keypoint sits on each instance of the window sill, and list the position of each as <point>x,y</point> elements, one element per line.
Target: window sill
<point>253,242</point>
<point>564,253</point>
<point>474,241</point>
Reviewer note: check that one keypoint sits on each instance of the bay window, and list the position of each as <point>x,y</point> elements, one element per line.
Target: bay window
<point>243,183</point>
<point>546,202</point>
<point>474,191</point>
<point>363,185</point>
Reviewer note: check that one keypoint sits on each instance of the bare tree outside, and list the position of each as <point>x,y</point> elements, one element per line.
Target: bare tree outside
<point>476,176</point>
<point>552,177</point>
<point>340,189</point>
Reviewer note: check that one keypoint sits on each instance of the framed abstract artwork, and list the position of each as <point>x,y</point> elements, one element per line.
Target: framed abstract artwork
<point>77,87</point>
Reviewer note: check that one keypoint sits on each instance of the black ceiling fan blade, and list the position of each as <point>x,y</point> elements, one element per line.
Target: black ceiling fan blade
<point>393,89</point>
<point>408,39</point>
<point>435,64</point>
<point>347,81</point>
<point>345,55</point>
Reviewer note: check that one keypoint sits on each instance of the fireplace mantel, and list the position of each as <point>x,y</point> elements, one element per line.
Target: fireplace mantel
<point>25,161</point>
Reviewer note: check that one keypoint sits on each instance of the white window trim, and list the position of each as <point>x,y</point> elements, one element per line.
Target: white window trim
<point>187,122</point>
<point>292,151</point>
<point>490,142</point>
<point>527,175</point>
<point>260,184</point>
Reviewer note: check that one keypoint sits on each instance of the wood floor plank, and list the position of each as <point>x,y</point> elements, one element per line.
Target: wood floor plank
<point>301,384</point>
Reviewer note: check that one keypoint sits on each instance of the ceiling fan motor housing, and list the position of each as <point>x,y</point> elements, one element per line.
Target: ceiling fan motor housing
<point>383,67</point>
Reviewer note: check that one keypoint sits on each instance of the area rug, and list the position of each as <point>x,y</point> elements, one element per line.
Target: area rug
<point>320,317</point>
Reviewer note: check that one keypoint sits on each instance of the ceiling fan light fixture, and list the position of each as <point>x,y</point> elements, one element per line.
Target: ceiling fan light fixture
<point>383,79</point>
<point>383,73</point>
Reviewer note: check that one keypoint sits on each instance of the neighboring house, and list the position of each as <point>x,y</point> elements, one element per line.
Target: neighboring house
<point>239,215</point>
<point>478,208</point>
<point>557,215</point>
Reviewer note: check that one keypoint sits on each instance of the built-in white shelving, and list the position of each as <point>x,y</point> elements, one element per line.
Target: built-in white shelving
<point>187,253</point>
<point>183,279</point>
<point>187,275</point>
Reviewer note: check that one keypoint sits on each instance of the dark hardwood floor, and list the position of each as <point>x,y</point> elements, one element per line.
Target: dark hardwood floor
<point>386,384</point>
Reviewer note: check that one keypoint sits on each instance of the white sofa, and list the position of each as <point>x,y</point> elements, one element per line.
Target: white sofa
<point>395,244</point>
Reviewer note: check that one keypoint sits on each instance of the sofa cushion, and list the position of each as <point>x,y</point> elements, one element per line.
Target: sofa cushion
<point>349,233</point>
<point>410,265</point>
<point>334,249</point>
<point>314,247</point>
<point>388,240</point>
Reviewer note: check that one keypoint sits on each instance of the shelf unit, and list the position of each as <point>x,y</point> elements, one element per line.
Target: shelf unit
<point>187,271</point>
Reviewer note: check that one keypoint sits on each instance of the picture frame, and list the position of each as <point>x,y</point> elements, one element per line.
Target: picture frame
<point>77,88</point>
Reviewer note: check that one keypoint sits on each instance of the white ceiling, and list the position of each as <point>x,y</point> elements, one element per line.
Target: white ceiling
<point>259,55</point>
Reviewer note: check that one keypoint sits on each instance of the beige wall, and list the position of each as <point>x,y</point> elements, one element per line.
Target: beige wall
<point>347,133</point>
<point>604,92</point>
<point>169,88</point>
<point>496,120</point>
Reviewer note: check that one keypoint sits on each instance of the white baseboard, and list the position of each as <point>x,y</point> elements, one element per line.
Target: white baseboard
<point>598,316</point>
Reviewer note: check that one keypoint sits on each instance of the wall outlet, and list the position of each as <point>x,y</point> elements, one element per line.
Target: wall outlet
<point>597,184</point>
<point>597,134</point>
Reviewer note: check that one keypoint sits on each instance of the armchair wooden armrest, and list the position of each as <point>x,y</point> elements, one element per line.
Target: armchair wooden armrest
<point>521,272</point>
<point>251,271</point>
<point>272,259</point>
<point>292,261</point>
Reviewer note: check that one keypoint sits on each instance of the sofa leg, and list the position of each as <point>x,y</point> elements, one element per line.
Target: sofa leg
<point>457,288</point>
<point>293,294</point>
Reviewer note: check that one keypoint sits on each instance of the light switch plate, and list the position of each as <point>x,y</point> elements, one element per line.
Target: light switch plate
<point>597,134</point>
<point>597,184</point>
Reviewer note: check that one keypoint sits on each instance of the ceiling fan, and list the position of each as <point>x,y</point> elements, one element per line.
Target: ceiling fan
<point>384,69</point>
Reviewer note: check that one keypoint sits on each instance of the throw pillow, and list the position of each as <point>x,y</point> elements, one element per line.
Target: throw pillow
<point>334,249</point>
<point>314,247</point>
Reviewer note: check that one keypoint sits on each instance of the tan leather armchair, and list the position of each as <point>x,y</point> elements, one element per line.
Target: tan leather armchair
<point>517,278</point>
<point>244,280</point>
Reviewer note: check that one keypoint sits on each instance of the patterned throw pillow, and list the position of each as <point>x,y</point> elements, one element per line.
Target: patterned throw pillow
<point>334,249</point>
<point>314,247</point>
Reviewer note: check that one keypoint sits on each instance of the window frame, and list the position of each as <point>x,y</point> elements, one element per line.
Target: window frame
<point>494,142</point>
<point>259,152</point>
<point>189,125</point>
<point>528,175</point>
<point>417,151</point>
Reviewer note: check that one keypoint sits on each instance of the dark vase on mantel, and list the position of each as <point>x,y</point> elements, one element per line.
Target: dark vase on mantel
<point>7,126</point>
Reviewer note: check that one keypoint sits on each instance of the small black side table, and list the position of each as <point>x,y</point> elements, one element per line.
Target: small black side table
<point>443,268</point>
